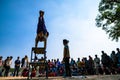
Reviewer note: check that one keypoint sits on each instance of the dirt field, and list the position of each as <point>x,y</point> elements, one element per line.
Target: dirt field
<point>94,77</point>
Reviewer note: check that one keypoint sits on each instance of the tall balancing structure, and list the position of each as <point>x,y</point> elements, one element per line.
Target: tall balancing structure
<point>39,64</point>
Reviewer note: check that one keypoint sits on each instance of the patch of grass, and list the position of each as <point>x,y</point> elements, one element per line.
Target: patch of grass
<point>11,69</point>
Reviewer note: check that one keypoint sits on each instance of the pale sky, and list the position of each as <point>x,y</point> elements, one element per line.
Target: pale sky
<point>65,19</point>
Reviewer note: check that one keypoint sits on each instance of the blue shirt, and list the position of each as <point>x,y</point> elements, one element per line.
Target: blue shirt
<point>41,26</point>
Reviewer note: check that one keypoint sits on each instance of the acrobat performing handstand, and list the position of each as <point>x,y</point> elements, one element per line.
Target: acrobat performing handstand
<point>42,33</point>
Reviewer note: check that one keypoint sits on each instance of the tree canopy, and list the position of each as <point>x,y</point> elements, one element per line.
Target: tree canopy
<point>109,18</point>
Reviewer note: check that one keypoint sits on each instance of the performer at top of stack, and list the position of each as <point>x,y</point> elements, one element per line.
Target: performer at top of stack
<point>42,32</point>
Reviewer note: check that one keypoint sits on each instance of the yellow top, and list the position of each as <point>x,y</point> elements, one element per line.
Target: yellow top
<point>66,53</point>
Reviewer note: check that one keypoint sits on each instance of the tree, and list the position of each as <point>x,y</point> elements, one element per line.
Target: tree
<point>109,18</point>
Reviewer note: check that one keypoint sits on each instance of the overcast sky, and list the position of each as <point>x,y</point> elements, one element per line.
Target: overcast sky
<point>65,19</point>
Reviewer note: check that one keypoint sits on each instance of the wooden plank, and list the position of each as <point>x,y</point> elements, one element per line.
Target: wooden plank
<point>39,50</point>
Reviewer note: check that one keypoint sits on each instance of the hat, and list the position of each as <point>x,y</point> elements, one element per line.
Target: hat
<point>65,41</point>
<point>41,11</point>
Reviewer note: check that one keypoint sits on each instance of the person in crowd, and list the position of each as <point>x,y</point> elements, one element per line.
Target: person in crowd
<point>7,66</point>
<point>114,59</point>
<point>17,66</point>
<point>78,60</point>
<point>1,66</point>
<point>91,66</point>
<point>78,65</point>
<point>74,69</point>
<point>118,56</point>
<point>33,73</point>
<point>66,57</point>
<point>114,62</point>
<point>1,62</point>
<point>58,66</point>
<point>96,64</point>
<point>81,66</point>
<point>106,62</point>
<point>61,69</point>
<point>11,61</point>
<point>24,65</point>
<point>72,62</point>
<point>24,62</point>
<point>54,66</point>
<point>72,66</point>
<point>85,66</point>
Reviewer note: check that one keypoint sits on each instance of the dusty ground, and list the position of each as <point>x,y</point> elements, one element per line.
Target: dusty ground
<point>94,77</point>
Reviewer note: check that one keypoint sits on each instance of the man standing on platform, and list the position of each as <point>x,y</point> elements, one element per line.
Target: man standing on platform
<point>42,32</point>
<point>66,57</point>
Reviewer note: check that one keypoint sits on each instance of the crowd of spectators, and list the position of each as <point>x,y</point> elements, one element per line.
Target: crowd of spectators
<point>107,64</point>
<point>5,65</point>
